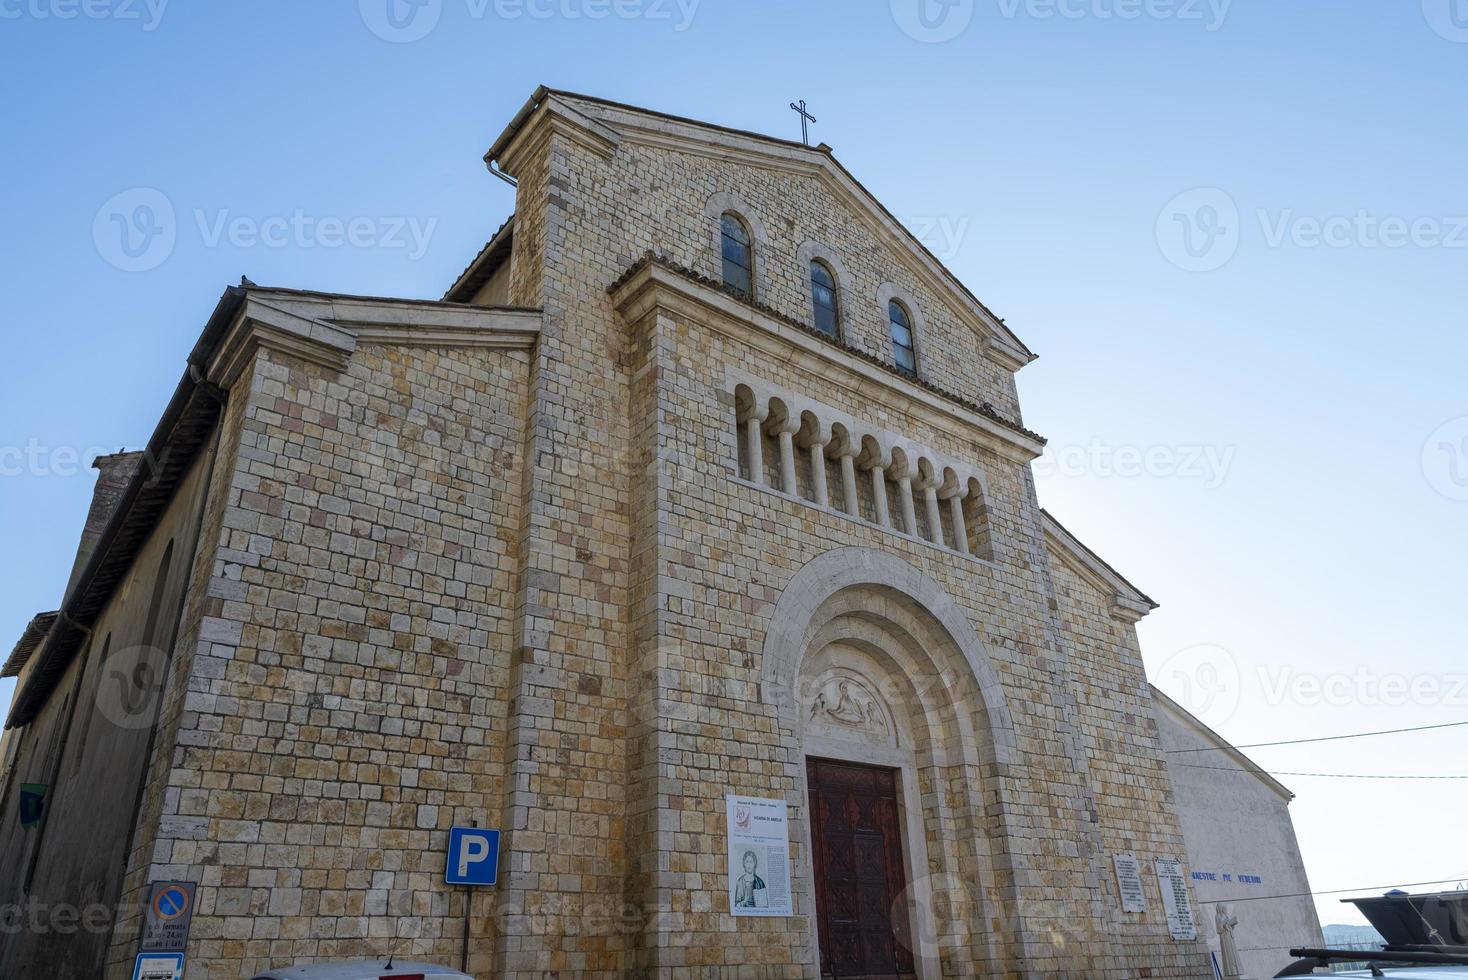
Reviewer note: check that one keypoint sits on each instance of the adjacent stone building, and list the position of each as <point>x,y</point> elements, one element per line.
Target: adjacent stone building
<point>704,479</point>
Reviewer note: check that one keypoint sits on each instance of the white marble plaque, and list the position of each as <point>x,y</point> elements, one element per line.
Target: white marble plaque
<point>1129,883</point>
<point>1175,900</point>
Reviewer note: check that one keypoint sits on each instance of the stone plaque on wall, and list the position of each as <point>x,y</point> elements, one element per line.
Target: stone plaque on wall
<point>1129,883</point>
<point>1175,900</point>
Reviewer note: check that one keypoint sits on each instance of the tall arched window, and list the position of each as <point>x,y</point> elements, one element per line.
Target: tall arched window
<point>738,256</point>
<point>823,299</point>
<point>899,324</point>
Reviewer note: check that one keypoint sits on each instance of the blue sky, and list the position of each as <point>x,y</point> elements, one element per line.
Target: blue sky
<point>1235,233</point>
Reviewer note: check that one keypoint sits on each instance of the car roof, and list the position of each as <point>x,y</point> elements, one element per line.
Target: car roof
<point>1412,972</point>
<point>360,970</point>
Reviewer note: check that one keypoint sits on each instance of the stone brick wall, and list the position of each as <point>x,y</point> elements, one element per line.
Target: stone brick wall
<point>348,682</point>
<point>1117,728</point>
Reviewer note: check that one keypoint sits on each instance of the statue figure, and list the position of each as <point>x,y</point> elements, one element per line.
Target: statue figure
<point>1228,946</point>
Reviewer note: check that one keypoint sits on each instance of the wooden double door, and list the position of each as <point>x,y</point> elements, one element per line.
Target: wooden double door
<point>857,859</point>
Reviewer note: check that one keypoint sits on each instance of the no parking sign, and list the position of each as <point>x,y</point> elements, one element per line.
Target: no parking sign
<point>167,917</point>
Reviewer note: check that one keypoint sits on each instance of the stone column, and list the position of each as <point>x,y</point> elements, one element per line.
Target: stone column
<point>955,510</point>
<point>903,475</point>
<point>753,422</point>
<point>879,495</point>
<point>785,430</point>
<point>816,446</point>
<point>935,522</point>
<point>849,499</point>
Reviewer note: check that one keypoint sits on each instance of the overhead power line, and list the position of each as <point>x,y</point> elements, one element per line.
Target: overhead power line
<point>1334,891</point>
<point>1325,738</point>
<point>1321,775</point>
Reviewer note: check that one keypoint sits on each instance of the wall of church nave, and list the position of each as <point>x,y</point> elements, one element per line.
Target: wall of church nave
<point>1133,794</point>
<point>63,888</point>
<point>347,690</point>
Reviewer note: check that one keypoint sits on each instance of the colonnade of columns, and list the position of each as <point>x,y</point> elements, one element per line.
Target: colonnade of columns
<point>760,420</point>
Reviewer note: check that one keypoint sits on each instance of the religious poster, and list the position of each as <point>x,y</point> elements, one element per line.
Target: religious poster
<point>759,857</point>
<point>1175,900</point>
<point>1129,883</point>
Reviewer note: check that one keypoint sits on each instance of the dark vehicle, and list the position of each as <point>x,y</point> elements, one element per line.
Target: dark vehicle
<point>1426,936</point>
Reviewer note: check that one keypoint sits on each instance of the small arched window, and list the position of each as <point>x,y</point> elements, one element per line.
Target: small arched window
<point>899,324</point>
<point>738,256</point>
<point>823,299</point>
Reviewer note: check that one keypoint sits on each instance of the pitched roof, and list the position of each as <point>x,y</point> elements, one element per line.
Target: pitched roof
<point>479,271</point>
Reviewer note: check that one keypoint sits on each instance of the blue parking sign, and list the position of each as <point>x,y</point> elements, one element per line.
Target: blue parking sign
<point>474,856</point>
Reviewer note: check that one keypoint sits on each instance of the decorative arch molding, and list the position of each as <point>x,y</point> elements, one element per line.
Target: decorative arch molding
<point>794,624</point>
<point>886,293</point>
<point>713,213</point>
<point>869,661</point>
<point>809,251</point>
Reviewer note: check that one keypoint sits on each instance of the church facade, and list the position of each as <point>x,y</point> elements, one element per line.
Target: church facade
<point>705,483</point>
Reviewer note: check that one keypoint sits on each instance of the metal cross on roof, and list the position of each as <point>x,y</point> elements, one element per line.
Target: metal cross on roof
<point>805,120</point>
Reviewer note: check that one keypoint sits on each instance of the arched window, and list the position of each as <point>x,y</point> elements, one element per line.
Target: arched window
<point>899,324</point>
<point>823,298</point>
<point>738,256</point>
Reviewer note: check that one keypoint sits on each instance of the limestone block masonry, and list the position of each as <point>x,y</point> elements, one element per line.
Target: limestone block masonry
<point>582,564</point>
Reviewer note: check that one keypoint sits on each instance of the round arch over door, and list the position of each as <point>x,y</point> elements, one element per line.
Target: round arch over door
<point>871,664</point>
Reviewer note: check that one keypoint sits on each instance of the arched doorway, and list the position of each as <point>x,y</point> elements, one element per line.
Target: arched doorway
<point>900,733</point>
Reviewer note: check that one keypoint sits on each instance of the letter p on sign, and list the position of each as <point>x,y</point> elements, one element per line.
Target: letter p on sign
<point>474,856</point>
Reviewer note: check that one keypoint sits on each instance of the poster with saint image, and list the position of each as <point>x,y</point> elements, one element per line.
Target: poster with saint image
<point>759,856</point>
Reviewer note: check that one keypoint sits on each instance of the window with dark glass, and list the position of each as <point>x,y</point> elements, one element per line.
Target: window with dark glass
<point>900,324</point>
<point>738,257</point>
<point>823,296</point>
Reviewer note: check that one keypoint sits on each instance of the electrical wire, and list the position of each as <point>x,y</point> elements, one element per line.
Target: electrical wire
<point>1326,738</point>
<point>1335,891</point>
<point>1320,775</point>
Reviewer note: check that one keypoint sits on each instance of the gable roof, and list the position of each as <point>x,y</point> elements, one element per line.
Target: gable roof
<point>602,124</point>
<point>1127,601</point>
<point>1240,761</point>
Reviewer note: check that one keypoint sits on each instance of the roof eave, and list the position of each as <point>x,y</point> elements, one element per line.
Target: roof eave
<point>1248,765</point>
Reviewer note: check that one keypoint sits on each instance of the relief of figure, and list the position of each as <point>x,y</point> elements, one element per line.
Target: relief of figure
<point>857,710</point>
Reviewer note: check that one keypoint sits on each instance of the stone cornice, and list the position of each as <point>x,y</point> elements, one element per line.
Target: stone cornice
<point>1125,601</point>
<point>603,125</point>
<point>656,283</point>
<point>558,117</point>
<point>261,326</point>
<point>326,330</point>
